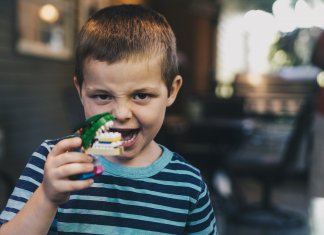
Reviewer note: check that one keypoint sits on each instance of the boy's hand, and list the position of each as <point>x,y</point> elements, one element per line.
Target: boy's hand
<point>60,165</point>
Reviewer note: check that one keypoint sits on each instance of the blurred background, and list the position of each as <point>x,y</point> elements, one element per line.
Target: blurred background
<point>250,114</point>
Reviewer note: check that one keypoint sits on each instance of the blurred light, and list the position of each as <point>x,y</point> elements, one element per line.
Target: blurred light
<point>320,79</point>
<point>49,13</point>
<point>224,91</point>
<point>261,29</point>
<point>256,20</point>
<point>254,79</point>
<point>131,1</point>
<point>246,38</point>
<point>316,216</point>
<point>230,48</point>
<point>222,183</point>
<point>318,15</point>
<point>280,58</point>
<point>284,14</point>
<point>303,14</point>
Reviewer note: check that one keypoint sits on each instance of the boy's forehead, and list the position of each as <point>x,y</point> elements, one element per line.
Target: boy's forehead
<point>135,64</point>
<point>130,59</point>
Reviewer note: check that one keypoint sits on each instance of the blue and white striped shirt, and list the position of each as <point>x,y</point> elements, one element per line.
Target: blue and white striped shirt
<point>167,197</point>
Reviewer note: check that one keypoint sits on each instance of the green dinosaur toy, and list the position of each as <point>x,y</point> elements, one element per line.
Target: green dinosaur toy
<point>88,132</point>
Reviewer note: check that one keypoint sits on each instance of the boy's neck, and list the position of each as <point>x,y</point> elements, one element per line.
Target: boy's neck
<point>145,158</point>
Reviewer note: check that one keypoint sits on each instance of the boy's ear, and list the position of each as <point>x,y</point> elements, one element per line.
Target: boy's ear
<point>175,87</point>
<point>77,86</point>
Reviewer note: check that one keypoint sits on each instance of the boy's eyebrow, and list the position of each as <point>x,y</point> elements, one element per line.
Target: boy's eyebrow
<point>145,89</point>
<point>92,89</point>
<point>139,90</point>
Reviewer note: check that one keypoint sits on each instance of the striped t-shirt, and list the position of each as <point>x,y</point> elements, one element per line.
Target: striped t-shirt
<point>167,197</point>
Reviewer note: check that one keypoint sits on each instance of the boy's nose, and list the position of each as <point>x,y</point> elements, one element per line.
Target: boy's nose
<point>121,112</point>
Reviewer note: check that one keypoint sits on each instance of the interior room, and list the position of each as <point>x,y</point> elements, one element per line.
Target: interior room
<point>250,114</point>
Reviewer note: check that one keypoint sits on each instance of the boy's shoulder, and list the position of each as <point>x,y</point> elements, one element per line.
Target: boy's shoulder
<point>179,162</point>
<point>47,145</point>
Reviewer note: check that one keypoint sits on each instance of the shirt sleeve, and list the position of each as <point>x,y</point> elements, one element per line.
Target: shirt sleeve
<point>27,183</point>
<point>201,219</point>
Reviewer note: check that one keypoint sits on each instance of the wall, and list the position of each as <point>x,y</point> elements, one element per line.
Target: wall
<point>194,23</point>
<point>32,93</point>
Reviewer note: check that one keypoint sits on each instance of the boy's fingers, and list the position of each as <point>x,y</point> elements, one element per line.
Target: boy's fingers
<point>71,157</point>
<point>68,170</point>
<point>66,145</point>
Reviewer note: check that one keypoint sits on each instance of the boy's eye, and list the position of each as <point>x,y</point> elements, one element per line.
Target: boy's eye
<point>102,97</point>
<point>141,96</point>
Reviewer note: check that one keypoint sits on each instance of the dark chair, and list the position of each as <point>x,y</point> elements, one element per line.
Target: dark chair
<point>268,155</point>
<point>6,181</point>
<point>7,184</point>
<point>206,133</point>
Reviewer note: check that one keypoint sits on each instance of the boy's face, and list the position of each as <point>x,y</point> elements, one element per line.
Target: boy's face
<point>135,93</point>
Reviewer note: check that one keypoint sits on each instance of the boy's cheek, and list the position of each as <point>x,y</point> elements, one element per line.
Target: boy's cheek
<point>93,112</point>
<point>90,109</point>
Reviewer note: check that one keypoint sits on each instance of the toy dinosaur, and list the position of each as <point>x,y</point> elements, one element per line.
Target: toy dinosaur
<point>98,140</point>
<point>96,137</point>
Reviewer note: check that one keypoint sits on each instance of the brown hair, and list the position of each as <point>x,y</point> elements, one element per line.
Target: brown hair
<point>127,32</point>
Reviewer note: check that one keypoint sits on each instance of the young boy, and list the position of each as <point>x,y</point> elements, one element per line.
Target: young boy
<point>126,64</point>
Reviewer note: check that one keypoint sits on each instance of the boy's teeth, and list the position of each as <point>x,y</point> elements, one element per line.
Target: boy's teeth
<point>129,137</point>
<point>108,125</point>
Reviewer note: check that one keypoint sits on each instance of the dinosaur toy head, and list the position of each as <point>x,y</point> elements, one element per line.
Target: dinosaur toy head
<point>97,139</point>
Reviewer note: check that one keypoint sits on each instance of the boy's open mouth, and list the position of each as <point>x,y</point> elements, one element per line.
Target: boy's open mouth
<point>128,135</point>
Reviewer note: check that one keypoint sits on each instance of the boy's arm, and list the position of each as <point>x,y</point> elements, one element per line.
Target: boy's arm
<point>201,219</point>
<point>39,211</point>
<point>35,217</point>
